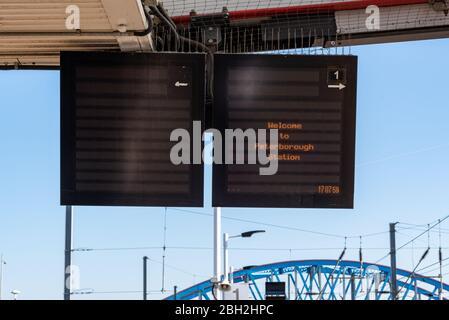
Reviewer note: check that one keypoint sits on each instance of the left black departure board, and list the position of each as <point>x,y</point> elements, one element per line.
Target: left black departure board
<point>117,114</point>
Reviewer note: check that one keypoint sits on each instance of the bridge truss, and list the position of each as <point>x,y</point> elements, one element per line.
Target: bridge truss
<point>329,280</point>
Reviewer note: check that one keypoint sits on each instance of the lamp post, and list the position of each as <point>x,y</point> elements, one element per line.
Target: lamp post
<point>226,239</point>
<point>15,294</point>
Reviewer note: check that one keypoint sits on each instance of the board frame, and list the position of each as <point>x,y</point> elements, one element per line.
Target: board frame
<point>69,61</point>
<point>345,200</point>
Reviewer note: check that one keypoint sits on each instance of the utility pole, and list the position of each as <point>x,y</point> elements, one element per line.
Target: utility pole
<point>68,252</point>
<point>145,277</point>
<point>217,247</point>
<point>393,275</point>
<point>226,257</point>
<point>2,262</point>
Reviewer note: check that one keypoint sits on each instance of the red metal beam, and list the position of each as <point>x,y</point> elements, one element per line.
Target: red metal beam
<point>315,8</point>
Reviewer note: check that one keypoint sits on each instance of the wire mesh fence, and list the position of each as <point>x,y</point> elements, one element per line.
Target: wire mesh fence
<point>296,26</point>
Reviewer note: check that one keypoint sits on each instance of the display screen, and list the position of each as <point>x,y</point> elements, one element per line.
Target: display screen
<point>117,114</point>
<point>311,102</point>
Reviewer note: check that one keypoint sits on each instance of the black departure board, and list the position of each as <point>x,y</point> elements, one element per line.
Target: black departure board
<point>117,114</point>
<point>311,101</point>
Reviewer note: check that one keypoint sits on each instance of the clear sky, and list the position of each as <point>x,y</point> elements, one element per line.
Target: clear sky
<point>402,175</point>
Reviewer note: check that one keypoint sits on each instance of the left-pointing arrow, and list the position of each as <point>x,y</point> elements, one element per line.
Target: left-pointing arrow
<point>339,86</point>
<point>181,84</point>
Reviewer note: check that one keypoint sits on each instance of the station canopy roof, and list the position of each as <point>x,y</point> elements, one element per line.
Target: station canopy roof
<point>33,32</point>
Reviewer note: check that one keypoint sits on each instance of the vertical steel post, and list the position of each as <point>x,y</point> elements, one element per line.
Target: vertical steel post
<point>296,284</point>
<point>353,294</point>
<point>393,275</point>
<point>1,275</point>
<point>145,278</point>
<point>217,245</point>
<point>226,257</point>
<point>68,252</point>
<point>217,248</point>
<point>175,293</point>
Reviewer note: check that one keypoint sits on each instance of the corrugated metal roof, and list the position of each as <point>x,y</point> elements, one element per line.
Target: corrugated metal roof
<point>22,23</point>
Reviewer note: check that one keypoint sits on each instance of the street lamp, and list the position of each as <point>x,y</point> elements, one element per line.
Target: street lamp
<point>15,294</point>
<point>226,237</point>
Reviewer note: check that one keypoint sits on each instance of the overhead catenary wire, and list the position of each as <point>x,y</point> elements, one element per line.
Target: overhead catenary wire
<point>237,248</point>
<point>340,258</point>
<point>176,268</point>
<point>412,274</point>
<point>361,254</point>
<point>149,259</point>
<point>416,237</point>
<point>423,241</point>
<point>432,265</point>
<point>280,226</point>
<point>91,291</point>
<point>440,261</point>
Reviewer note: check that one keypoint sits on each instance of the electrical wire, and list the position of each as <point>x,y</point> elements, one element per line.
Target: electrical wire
<point>279,226</point>
<point>239,248</point>
<point>160,12</point>
<point>417,237</point>
<point>155,10</point>
<point>155,292</point>
<point>411,275</point>
<point>177,268</point>
<point>433,264</point>
<point>342,254</point>
<point>149,28</point>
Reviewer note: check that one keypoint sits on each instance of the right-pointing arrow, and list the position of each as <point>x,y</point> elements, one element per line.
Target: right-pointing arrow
<point>339,86</point>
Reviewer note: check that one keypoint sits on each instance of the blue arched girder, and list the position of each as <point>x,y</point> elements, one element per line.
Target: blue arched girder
<point>329,280</point>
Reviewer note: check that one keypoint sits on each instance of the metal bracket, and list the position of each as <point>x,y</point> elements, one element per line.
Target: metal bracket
<point>211,25</point>
<point>207,20</point>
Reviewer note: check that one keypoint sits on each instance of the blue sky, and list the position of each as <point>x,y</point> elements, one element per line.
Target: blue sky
<point>401,175</point>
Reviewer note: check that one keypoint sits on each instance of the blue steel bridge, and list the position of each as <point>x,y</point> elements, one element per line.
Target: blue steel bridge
<point>329,280</point>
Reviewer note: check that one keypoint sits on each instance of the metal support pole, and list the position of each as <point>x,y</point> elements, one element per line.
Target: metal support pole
<point>217,245</point>
<point>353,295</point>
<point>68,252</point>
<point>393,276</point>
<point>296,284</point>
<point>2,262</point>
<point>175,293</point>
<point>145,278</point>
<point>226,257</point>
<point>217,249</point>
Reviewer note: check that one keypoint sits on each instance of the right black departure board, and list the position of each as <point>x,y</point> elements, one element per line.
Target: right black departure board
<point>311,101</point>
